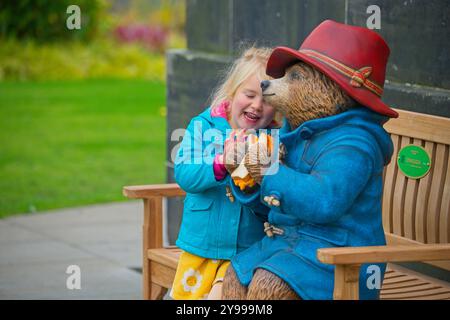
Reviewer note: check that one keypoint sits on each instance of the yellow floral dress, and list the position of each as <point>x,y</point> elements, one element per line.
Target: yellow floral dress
<point>196,276</point>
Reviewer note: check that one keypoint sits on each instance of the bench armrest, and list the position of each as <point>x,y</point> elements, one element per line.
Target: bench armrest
<point>152,229</point>
<point>153,190</point>
<point>378,254</point>
<point>349,259</point>
<point>153,195</point>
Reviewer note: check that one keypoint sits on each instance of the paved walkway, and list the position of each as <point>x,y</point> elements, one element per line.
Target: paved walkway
<point>103,240</point>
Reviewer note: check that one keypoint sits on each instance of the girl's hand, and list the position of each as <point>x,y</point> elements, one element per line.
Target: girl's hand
<point>234,149</point>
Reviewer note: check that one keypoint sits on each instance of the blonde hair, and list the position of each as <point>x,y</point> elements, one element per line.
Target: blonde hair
<point>252,61</point>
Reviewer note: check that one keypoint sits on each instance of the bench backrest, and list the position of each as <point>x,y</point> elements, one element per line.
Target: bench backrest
<point>418,210</point>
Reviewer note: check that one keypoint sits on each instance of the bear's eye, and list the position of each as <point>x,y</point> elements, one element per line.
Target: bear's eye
<point>294,76</point>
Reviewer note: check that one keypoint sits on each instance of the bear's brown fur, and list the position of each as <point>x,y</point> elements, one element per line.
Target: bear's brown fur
<point>264,286</point>
<point>302,94</point>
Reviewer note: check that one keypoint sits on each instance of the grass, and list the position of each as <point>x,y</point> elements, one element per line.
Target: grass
<point>72,143</point>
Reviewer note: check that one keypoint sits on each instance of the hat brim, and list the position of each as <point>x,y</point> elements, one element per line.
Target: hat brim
<point>283,57</point>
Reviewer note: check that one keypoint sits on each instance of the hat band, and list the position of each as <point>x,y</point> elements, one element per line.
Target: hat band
<point>358,78</point>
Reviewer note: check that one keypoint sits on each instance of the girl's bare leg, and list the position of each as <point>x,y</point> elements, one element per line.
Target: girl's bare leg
<point>216,291</point>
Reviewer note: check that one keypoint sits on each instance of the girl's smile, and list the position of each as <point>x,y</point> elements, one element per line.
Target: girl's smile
<point>248,108</point>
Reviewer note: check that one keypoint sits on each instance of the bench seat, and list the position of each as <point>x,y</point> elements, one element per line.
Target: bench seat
<point>403,284</point>
<point>399,283</point>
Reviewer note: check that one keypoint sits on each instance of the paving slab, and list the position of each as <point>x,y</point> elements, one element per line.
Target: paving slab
<point>104,241</point>
<point>15,234</point>
<point>99,279</point>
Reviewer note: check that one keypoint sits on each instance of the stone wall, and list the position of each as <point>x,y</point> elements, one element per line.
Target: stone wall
<point>417,31</point>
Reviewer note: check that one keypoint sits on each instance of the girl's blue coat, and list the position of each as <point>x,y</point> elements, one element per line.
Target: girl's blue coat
<point>212,226</point>
<point>330,193</point>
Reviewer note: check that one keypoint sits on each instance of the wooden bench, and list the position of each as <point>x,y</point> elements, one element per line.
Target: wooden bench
<point>416,221</point>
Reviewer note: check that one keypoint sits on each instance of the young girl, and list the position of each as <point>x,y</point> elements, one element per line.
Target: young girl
<point>215,227</point>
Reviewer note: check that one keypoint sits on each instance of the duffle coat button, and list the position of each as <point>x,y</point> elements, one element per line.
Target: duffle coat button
<point>272,201</point>
<point>229,194</point>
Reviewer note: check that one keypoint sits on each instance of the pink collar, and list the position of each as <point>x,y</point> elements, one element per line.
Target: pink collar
<point>220,110</point>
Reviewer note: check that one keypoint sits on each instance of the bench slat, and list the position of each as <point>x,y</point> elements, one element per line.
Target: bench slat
<point>432,294</point>
<point>402,283</point>
<point>388,187</point>
<point>444,223</point>
<point>422,199</point>
<point>445,296</point>
<point>410,288</point>
<point>437,185</point>
<point>164,256</point>
<point>401,278</point>
<point>399,192</point>
<point>421,126</point>
<point>410,203</point>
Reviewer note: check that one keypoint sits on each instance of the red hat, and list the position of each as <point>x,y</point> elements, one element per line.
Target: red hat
<point>353,57</point>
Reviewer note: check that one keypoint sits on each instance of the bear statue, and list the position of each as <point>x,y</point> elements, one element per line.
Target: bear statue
<point>327,191</point>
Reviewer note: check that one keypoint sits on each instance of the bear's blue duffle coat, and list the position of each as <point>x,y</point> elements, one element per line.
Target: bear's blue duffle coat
<point>329,190</point>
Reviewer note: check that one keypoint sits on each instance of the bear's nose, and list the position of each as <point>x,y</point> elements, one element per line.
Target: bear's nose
<point>265,84</point>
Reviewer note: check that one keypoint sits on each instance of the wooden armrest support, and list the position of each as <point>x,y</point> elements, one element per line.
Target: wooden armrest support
<point>378,254</point>
<point>153,190</point>
<point>152,229</point>
<point>349,259</point>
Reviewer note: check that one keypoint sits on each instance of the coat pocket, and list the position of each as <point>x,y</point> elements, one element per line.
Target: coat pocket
<point>313,237</point>
<point>196,216</point>
<point>334,235</point>
<point>198,203</point>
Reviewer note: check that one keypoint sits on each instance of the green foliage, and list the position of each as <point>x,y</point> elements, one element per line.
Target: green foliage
<point>35,43</point>
<point>75,60</point>
<point>168,14</point>
<point>171,14</point>
<point>45,20</point>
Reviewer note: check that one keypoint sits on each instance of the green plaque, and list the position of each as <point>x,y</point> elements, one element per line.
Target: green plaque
<point>414,161</point>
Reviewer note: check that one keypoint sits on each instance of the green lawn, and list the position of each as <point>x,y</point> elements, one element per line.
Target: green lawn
<point>70,143</point>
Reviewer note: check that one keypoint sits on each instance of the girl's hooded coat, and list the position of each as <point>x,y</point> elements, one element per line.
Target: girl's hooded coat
<point>212,226</point>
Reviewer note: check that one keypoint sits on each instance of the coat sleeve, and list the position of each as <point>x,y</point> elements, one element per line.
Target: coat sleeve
<point>194,170</point>
<point>328,191</point>
<point>252,201</point>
